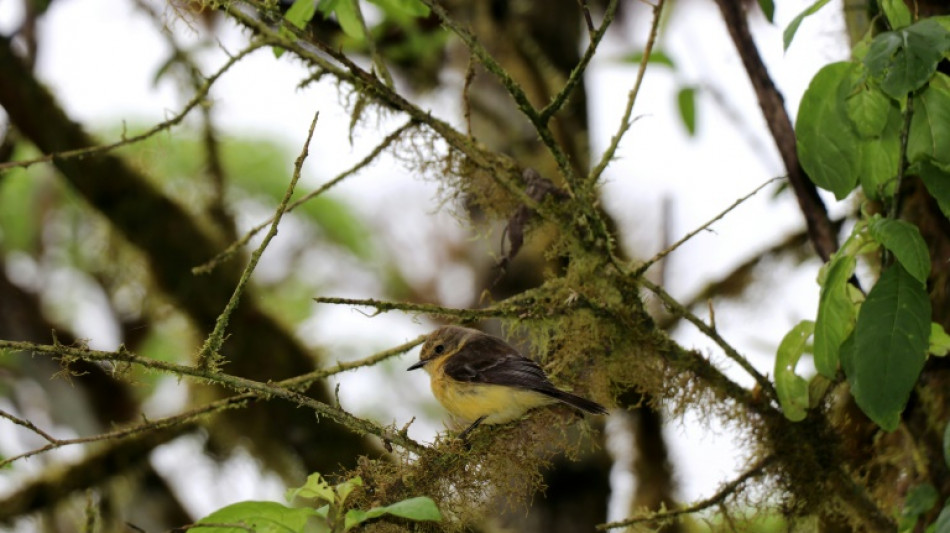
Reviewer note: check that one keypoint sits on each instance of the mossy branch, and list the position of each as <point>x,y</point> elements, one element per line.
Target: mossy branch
<point>208,357</point>
<point>577,73</point>
<point>516,92</point>
<point>464,315</point>
<point>677,308</point>
<point>297,383</point>
<point>502,168</point>
<point>145,427</point>
<point>259,389</point>
<point>716,499</point>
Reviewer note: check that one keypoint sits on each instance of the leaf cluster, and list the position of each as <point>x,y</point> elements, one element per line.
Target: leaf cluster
<point>868,124</point>
<point>335,515</point>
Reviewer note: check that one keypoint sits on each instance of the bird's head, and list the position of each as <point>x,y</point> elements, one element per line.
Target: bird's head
<point>442,343</point>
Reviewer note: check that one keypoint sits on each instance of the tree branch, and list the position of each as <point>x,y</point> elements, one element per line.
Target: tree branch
<point>720,496</point>
<point>208,356</point>
<point>237,383</point>
<point>625,121</point>
<point>820,230</point>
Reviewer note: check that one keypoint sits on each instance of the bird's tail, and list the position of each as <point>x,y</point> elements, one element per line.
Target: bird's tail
<point>575,401</point>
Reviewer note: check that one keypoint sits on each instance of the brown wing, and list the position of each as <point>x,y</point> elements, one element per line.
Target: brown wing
<point>486,359</point>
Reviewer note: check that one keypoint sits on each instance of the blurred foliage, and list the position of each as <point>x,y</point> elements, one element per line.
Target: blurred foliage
<point>255,168</point>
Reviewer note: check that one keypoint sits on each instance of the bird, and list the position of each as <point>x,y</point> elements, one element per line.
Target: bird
<point>480,378</point>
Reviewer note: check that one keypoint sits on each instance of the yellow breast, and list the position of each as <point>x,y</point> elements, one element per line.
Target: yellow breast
<point>471,401</point>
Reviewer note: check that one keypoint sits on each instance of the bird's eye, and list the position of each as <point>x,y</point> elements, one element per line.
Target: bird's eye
<point>439,349</point>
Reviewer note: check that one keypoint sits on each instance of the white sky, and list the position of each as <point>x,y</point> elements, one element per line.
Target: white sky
<point>84,41</point>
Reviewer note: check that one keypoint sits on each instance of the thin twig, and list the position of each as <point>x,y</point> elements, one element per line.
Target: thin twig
<point>228,252</point>
<point>820,230</point>
<point>587,20</point>
<point>196,100</point>
<point>625,121</point>
<point>28,425</point>
<point>181,418</point>
<point>677,308</point>
<point>209,357</point>
<point>236,383</point>
<point>371,46</point>
<point>429,309</point>
<point>295,383</point>
<point>514,90</point>
<point>716,499</point>
<point>503,169</point>
<point>642,268</point>
<point>577,73</point>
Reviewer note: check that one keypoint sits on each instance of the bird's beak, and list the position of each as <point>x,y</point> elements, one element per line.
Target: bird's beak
<point>418,364</point>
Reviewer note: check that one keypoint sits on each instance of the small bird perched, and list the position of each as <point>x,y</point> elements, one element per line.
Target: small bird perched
<point>481,378</point>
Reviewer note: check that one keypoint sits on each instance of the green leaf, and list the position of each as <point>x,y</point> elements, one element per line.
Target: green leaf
<point>898,16</point>
<point>301,12</point>
<point>879,158</point>
<point>880,54</point>
<point>836,314</point>
<point>349,18</point>
<point>792,389</point>
<point>418,508</point>
<point>261,517</point>
<point>920,499</point>
<point>768,9</point>
<point>789,32</point>
<point>860,49</point>
<point>686,102</point>
<point>656,58</point>
<point>344,489</point>
<point>903,239</point>
<point>939,341</point>
<point>316,488</point>
<point>868,109</point>
<point>21,208</point>
<point>942,525</point>
<point>827,145</point>
<point>890,346</point>
<point>930,127</point>
<point>905,59</point>
<point>937,180</point>
<point>818,385</point>
<point>413,8</point>
<point>877,121</point>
